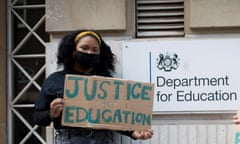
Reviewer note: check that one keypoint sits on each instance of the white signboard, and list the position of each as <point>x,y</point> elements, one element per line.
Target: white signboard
<point>189,75</point>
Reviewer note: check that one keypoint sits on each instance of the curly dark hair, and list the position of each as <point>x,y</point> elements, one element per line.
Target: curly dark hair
<point>65,55</point>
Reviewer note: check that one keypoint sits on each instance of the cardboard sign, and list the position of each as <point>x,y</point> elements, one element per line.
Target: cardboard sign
<point>236,132</point>
<point>236,137</point>
<point>107,103</point>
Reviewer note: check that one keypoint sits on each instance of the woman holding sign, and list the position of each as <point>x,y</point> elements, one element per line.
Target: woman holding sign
<point>82,53</point>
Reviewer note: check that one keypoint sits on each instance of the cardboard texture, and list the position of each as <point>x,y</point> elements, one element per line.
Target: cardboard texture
<point>107,103</point>
<point>236,132</point>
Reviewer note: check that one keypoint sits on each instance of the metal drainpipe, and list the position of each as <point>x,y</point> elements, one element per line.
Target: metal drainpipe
<point>9,74</point>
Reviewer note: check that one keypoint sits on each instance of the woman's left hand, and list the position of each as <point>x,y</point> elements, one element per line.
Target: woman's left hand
<point>142,134</point>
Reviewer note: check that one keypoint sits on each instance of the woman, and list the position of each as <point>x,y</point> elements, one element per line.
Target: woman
<point>83,53</point>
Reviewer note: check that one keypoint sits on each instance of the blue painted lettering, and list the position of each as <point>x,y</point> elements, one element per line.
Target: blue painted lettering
<point>117,89</point>
<point>76,87</point>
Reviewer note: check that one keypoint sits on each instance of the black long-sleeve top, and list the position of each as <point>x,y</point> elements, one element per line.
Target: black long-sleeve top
<point>52,88</point>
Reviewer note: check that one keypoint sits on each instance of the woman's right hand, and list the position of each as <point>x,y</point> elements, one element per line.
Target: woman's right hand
<point>236,119</point>
<point>56,107</point>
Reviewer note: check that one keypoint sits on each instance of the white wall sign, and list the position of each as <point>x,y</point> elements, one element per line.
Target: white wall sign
<point>189,75</point>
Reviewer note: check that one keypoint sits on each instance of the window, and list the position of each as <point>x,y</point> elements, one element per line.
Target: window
<point>159,18</point>
<point>26,68</point>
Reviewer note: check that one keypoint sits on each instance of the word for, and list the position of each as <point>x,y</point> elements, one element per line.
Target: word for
<point>195,81</point>
<point>76,114</point>
<point>189,96</point>
<point>100,89</point>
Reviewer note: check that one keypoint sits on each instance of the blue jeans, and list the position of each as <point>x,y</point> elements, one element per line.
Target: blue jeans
<point>83,137</point>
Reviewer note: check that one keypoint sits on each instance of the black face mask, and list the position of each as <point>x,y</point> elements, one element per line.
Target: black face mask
<point>86,60</point>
